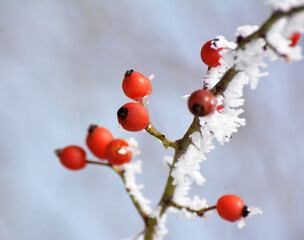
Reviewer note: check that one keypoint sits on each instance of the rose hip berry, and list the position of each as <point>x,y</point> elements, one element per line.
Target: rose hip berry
<point>115,153</point>
<point>294,39</point>
<point>136,85</point>
<point>133,117</point>
<point>98,139</point>
<point>231,208</point>
<point>202,103</point>
<point>72,157</point>
<point>210,53</point>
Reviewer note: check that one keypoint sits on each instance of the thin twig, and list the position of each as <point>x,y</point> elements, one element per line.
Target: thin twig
<point>166,142</point>
<point>121,173</point>
<point>200,212</point>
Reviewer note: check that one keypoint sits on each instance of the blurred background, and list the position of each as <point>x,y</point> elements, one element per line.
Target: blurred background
<point>61,68</point>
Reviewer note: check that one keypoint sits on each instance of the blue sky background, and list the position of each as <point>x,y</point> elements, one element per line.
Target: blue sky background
<point>61,67</point>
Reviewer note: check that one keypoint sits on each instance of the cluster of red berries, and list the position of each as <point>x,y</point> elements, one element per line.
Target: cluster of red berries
<point>102,144</point>
<point>231,208</point>
<point>203,102</point>
<point>133,116</point>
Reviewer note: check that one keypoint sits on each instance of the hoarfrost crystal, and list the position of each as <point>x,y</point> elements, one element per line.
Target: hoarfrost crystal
<point>130,170</point>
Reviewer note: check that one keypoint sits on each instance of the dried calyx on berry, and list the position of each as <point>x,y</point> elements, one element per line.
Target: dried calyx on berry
<point>122,113</point>
<point>245,211</point>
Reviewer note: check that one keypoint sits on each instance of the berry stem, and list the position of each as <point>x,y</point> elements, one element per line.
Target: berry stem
<point>268,45</point>
<point>166,142</point>
<point>99,163</point>
<point>200,212</point>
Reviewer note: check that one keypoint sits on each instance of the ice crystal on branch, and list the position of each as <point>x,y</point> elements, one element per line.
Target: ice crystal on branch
<point>247,62</point>
<point>280,43</point>
<point>284,5</point>
<point>130,170</point>
<point>161,230</point>
<point>245,31</point>
<point>187,169</point>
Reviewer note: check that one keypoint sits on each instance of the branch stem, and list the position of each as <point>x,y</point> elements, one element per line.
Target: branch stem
<point>182,144</point>
<point>166,142</point>
<point>121,173</point>
<point>200,212</point>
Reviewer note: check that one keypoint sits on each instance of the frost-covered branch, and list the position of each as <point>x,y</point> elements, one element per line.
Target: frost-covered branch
<point>262,31</point>
<point>127,174</point>
<point>241,66</point>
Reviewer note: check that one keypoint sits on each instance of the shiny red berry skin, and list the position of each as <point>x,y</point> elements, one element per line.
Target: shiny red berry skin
<point>209,55</point>
<point>136,85</point>
<point>133,117</point>
<point>72,157</point>
<point>231,208</point>
<point>202,103</point>
<point>113,154</point>
<point>294,39</point>
<point>220,108</point>
<point>97,140</point>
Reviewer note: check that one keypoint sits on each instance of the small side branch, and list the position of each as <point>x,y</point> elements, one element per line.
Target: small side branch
<point>166,142</point>
<point>199,213</point>
<point>261,32</point>
<point>121,173</point>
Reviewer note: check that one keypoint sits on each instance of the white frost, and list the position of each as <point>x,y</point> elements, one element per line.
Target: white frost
<point>284,5</point>
<point>245,31</point>
<point>252,211</point>
<point>167,160</point>
<point>276,36</point>
<point>133,147</point>
<point>130,169</point>
<point>161,230</point>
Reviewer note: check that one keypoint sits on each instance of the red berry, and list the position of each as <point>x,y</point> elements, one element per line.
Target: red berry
<point>202,103</point>
<point>72,157</point>
<point>98,139</point>
<point>231,208</point>
<point>135,85</point>
<point>220,108</point>
<point>115,154</point>
<point>210,53</point>
<point>294,39</point>
<point>133,117</point>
